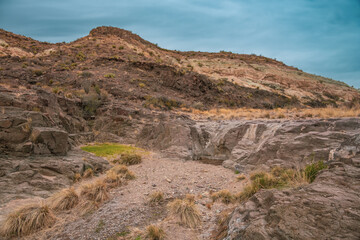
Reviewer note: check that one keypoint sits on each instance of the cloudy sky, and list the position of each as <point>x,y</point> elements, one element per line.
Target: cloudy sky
<point>317,36</point>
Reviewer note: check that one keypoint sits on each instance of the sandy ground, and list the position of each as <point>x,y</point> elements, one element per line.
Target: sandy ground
<point>128,206</point>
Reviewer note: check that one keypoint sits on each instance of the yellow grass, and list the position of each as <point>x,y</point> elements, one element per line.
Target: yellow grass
<point>64,200</point>
<point>279,113</point>
<point>155,233</point>
<point>96,191</point>
<point>156,197</point>
<point>225,196</point>
<point>186,212</point>
<point>28,219</point>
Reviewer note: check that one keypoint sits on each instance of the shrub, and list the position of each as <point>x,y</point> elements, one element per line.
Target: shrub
<point>156,197</point>
<point>225,196</point>
<point>313,169</point>
<point>86,74</point>
<point>96,192</point>
<point>155,233</point>
<point>109,75</point>
<point>28,219</point>
<point>64,200</point>
<point>38,72</point>
<point>80,56</point>
<point>90,104</point>
<point>186,212</point>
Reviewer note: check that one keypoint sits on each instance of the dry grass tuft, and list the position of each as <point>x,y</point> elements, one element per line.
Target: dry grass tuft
<point>155,233</point>
<point>97,192</point>
<point>112,179</point>
<point>77,177</point>
<point>64,200</point>
<point>156,197</point>
<point>123,171</point>
<point>86,207</point>
<point>225,196</point>
<point>279,178</point>
<point>186,211</point>
<point>27,220</point>
<point>190,197</point>
<point>88,173</point>
<point>129,159</point>
<point>241,177</point>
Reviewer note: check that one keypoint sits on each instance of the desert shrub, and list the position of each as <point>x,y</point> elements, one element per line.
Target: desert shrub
<point>86,74</point>
<point>97,192</point>
<point>80,56</point>
<point>225,196</point>
<point>90,104</point>
<point>156,197</point>
<point>186,212</point>
<point>28,219</point>
<point>109,75</point>
<point>142,85</point>
<point>64,200</point>
<point>155,233</point>
<point>38,72</point>
<point>313,169</point>
<point>129,159</point>
<point>161,102</point>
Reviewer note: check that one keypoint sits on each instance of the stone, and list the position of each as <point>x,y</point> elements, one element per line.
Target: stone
<point>49,140</point>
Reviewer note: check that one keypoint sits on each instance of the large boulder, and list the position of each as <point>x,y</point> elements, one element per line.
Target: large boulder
<point>49,141</point>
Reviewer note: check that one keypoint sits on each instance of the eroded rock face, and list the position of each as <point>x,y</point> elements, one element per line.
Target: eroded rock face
<point>329,208</point>
<point>245,145</point>
<point>41,175</point>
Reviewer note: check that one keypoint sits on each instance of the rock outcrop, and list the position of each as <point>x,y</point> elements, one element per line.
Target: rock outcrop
<point>329,208</point>
<point>246,145</point>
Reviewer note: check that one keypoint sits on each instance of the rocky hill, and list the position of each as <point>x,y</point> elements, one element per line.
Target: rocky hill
<point>113,86</point>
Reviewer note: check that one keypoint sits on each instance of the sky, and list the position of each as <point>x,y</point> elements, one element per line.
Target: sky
<point>318,36</point>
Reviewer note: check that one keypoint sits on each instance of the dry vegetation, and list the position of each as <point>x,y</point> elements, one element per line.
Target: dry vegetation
<point>27,220</point>
<point>97,191</point>
<point>278,113</point>
<point>154,232</point>
<point>156,197</point>
<point>186,212</point>
<point>128,159</point>
<point>64,200</point>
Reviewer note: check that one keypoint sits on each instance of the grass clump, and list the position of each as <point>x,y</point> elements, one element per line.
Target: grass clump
<point>156,197</point>
<point>27,220</point>
<point>110,149</point>
<point>241,177</point>
<point>123,171</point>
<point>129,159</point>
<point>64,200</point>
<point>225,196</point>
<point>279,178</point>
<point>88,173</point>
<point>313,169</point>
<point>154,232</point>
<point>186,212</point>
<point>97,192</point>
<point>112,179</point>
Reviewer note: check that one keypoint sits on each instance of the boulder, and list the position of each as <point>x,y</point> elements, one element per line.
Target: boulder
<point>49,141</point>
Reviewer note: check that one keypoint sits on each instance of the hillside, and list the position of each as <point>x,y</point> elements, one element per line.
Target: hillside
<point>242,145</point>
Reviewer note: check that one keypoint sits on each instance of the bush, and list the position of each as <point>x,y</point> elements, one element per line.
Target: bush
<point>90,104</point>
<point>64,200</point>
<point>123,171</point>
<point>28,219</point>
<point>186,212</point>
<point>109,75</point>
<point>112,179</point>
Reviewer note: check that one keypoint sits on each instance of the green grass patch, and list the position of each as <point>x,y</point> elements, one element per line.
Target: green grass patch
<point>111,149</point>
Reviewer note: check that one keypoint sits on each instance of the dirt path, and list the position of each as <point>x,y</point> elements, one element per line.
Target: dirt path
<point>129,206</point>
